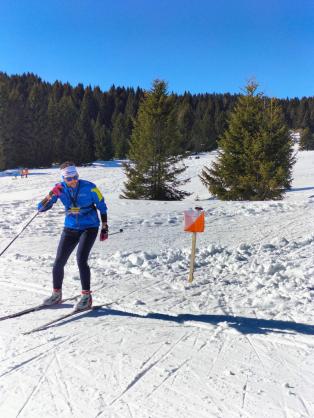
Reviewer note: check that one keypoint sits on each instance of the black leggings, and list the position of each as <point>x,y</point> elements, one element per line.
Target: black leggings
<point>68,241</point>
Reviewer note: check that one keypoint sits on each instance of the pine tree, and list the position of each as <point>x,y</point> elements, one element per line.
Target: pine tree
<point>306,140</point>
<point>103,144</point>
<point>69,117</point>
<point>4,121</point>
<point>154,167</point>
<point>55,129</point>
<point>255,158</point>
<point>62,119</point>
<point>121,132</point>
<point>185,119</point>
<point>38,128</point>
<point>83,129</point>
<point>14,141</point>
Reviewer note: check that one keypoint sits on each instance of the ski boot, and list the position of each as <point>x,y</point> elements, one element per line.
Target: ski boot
<point>85,302</point>
<point>55,298</point>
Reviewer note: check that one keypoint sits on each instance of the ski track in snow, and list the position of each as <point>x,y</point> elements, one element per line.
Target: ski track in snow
<point>237,342</point>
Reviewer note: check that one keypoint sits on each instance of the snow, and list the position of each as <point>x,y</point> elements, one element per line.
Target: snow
<point>295,136</point>
<point>237,342</point>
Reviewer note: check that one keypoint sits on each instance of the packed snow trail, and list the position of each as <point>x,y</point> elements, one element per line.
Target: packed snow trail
<point>237,342</point>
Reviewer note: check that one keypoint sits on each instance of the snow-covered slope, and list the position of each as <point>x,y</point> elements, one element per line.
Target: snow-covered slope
<point>237,342</point>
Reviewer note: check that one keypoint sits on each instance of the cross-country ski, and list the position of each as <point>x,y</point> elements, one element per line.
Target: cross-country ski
<point>61,318</point>
<point>35,308</point>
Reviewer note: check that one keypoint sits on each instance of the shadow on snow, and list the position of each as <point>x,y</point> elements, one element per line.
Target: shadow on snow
<point>241,324</point>
<point>300,189</point>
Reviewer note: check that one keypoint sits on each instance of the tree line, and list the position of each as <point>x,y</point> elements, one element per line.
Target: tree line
<point>254,160</point>
<point>43,123</point>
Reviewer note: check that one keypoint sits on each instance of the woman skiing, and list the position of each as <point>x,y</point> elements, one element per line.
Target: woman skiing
<point>81,200</point>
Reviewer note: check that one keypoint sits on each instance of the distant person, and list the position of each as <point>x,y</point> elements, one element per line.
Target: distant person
<point>81,200</point>
<point>26,172</point>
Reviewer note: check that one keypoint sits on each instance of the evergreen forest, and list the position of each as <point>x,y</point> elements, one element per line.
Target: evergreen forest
<point>43,123</point>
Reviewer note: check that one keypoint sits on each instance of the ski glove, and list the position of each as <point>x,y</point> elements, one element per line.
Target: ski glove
<point>56,190</point>
<point>103,233</point>
<point>42,207</point>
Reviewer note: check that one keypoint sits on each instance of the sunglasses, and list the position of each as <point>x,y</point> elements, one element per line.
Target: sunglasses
<point>70,178</point>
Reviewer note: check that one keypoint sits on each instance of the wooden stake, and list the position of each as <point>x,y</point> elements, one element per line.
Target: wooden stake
<point>192,257</point>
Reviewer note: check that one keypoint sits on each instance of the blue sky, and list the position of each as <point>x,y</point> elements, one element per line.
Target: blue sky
<point>195,45</point>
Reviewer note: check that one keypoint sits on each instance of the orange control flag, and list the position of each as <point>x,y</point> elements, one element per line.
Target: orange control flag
<point>194,220</point>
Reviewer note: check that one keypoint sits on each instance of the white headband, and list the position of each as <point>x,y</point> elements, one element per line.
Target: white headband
<point>69,171</point>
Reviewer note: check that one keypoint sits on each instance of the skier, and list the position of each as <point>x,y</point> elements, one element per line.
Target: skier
<point>81,200</point>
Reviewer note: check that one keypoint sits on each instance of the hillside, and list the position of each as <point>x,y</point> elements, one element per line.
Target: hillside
<point>237,342</point>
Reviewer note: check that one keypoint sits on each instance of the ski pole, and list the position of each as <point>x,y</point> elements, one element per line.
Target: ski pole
<point>117,232</point>
<point>44,203</point>
<point>19,233</point>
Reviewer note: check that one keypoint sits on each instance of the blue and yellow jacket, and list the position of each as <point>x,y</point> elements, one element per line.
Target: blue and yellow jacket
<point>81,204</point>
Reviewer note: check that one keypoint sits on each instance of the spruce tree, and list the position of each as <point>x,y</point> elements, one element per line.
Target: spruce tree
<point>62,119</point>
<point>4,122</point>
<point>55,129</point>
<point>39,140</point>
<point>255,158</point>
<point>154,165</point>
<point>306,140</point>
<point>83,130</point>
<point>185,119</point>
<point>103,144</point>
<point>15,148</point>
<point>121,132</point>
